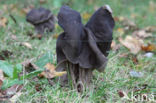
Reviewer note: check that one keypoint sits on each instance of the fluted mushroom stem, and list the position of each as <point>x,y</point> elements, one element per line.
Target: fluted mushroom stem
<point>80,77</point>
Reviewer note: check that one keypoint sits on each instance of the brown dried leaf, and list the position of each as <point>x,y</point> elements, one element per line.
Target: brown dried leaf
<point>28,65</point>
<point>10,92</point>
<point>5,54</point>
<point>38,36</point>
<point>116,19</point>
<point>1,83</point>
<point>127,23</point>
<point>14,89</point>
<point>27,9</point>
<point>14,37</point>
<point>120,93</point>
<point>141,34</point>
<point>150,29</point>
<point>132,43</point>
<point>50,72</point>
<point>148,48</point>
<point>135,60</point>
<point>123,55</point>
<point>3,22</point>
<point>43,1</point>
<point>115,46</point>
<point>15,97</point>
<point>38,87</point>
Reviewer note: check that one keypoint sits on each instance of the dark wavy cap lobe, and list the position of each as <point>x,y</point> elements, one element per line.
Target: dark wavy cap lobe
<point>101,24</point>
<point>42,19</point>
<point>70,41</point>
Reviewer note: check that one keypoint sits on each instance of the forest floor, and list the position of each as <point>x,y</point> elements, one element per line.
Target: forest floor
<point>127,73</point>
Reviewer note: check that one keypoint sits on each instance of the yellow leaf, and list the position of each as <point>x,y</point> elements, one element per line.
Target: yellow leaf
<point>3,22</point>
<point>132,43</point>
<point>50,72</point>
<point>86,15</point>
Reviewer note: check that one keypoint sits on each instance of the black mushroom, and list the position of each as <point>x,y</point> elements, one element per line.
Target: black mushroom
<point>42,19</point>
<point>81,49</point>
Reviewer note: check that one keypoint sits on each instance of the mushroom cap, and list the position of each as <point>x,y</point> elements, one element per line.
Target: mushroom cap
<point>40,15</point>
<point>101,24</point>
<point>77,43</point>
<point>70,21</point>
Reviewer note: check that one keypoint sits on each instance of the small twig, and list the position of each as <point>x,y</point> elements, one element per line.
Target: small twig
<point>13,18</point>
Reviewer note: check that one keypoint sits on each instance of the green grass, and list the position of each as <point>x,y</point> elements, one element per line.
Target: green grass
<point>116,76</point>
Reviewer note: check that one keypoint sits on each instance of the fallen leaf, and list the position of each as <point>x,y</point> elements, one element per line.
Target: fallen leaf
<point>26,44</point>
<point>38,36</point>
<point>115,46</point>
<point>27,9</point>
<point>86,16</point>
<point>127,23</point>
<point>123,55</point>
<point>1,83</point>
<point>120,31</point>
<point>132,43</point>
<point>150,29</point>
<point>51,82</point>
<point>135,60</point>
<point>120,93</point>
<point>148,48</point>
<point>29,64</point>
<point>3,22</point>
<point>136,74</point>
<point>116,19</point>
<point>10,92</point>
<point>43,1</point>
<point>14,37</point>
<point>50,72</point>
<point>15,97</point>
<point>5,54</point>
<point>142,34</point>
<point>1,57</point>
<point>13,89</point>
<point>38,87</point>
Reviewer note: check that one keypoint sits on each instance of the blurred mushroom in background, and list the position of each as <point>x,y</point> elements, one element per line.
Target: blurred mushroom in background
<point>42,19</point>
